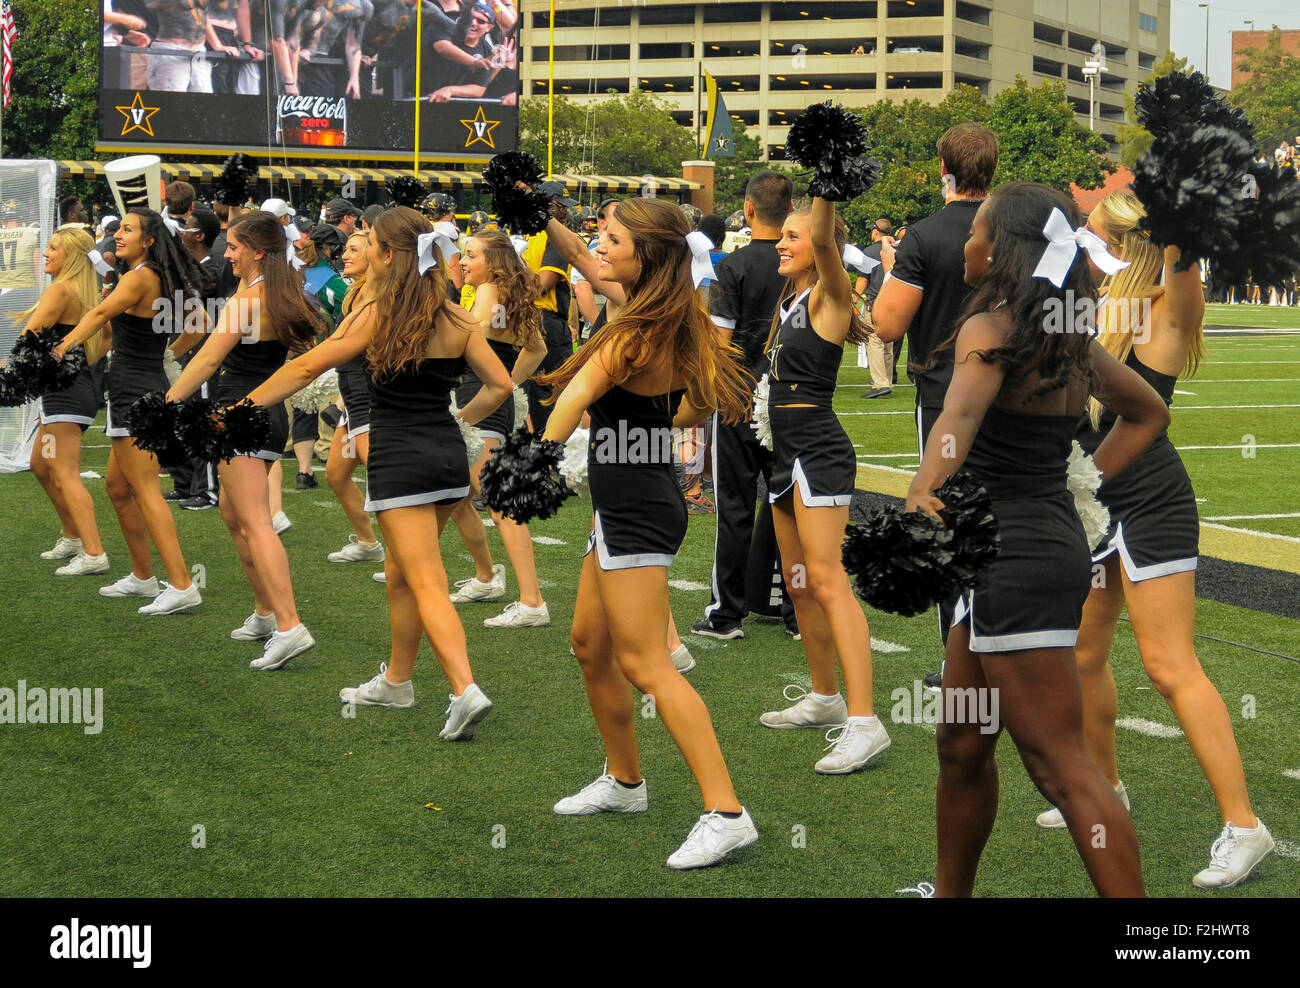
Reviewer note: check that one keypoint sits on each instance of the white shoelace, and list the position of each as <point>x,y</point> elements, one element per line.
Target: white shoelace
<point>374,681</point>
<point>923,889</point>
<point>1221,849</point>
<point>798,696</point>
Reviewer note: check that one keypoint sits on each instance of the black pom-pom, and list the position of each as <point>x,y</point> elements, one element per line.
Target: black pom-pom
<point>524,212</point>
<point>1183,99</point>
<point>904,563</point>
<point>245,429</point>
<point>196,430</point>
<point>34,370</point>
<point>824,135</point>
<point>152,421</point>
<point>231,186</point>
<point>11,393</point>
<point>848,180</point>
<point>1191,184</point>
<point>406,190</point>
<point>1269,237</point>
<point>522,478</point>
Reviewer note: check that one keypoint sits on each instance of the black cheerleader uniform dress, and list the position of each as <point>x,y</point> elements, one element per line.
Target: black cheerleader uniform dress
<point>809,446</point>
<point>135,369</point>
<point>80,403</point>
<point>355,388</point>
<point>501,422</point>
<point>639,516</point>
<point>1154,524</point>
<point>1032,594</point>
<point>246,367</point>
<point>417,453</point>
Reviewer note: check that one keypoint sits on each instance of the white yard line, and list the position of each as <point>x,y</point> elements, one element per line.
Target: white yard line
<point>1293,514</point>
<point>881,466</point>
<point>688,585</point>
<point>1251,531</point>
<point>1240,446</point>
<point>1150,728</point>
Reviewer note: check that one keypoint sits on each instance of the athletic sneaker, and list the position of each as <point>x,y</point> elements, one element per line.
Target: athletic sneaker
<point>713,837</point>
<point>605,795</point>
<point>1234,855</point>
<point>518,615</point>
<point>255,628</point>
<point>464,712</point>
<point>473,589</point>
<point>807,711</point>
<point>683,661</point>
<point>706,628</point>
<point>380,577</point>
<point>357,551</point>
<point>131,586</point>
<point>64,548</point>
<point>283,646</point>
<point>934,682</point>
<point>793,632</point>
<point>173,496</point>
<point>379,692</point>
<point>307,482</point>
<point>698,504</point>
<point>281,523</point>
<point>200,503</point>
<point>1054,820</point>
<point>853,746</point>
<point>83,565</point>
<point>173,601</point>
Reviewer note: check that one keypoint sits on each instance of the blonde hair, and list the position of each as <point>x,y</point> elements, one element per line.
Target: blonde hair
<point>1127,292</point>
<point>858,329</point>
<point>354,289</point>
<point>80,273</point>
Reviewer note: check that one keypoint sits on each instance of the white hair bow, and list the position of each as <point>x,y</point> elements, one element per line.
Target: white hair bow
<point>701,263</point>
<point>291,234</point>
<point>425,245</point>
<point>97,261</point>
<point>1063,244</point>
<point>520,243</point>
<point>855,258</point>
<point>173,226</point>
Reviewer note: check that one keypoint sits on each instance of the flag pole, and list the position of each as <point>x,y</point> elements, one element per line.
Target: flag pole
<point>699,78</point>
<point>419,49</point>
<point>550,99</point>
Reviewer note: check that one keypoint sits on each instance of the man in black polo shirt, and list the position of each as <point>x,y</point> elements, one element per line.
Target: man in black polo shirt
<point>881,357</point>
<point>925,286</point>
<point>742,302</point>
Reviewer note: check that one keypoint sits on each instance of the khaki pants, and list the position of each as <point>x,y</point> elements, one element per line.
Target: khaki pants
<point>880,355</point>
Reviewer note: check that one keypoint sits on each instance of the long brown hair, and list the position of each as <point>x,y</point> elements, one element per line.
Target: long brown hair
<point>407,303</point>
<point>293,321</point>
<point>80,275</point>
<point>664,318</point>
<point>858,330</point>
<point>516,283</point>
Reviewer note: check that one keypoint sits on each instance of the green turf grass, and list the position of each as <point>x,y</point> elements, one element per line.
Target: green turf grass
<point>1253,316</point>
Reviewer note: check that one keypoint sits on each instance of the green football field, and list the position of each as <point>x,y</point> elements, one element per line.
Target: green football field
<point>289,798</point>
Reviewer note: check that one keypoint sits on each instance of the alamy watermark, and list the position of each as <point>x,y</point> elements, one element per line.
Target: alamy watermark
<point>1089,316</point>
<point>972,705</point>
<point>58,705</point>
<point>193,315</point>
<point>640,446</point>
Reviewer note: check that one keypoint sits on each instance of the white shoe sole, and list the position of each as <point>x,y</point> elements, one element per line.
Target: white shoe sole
<point>85,572</point>
<point>466,731</point>
<point>826,726</point>
<point>458,598</point>
<point>182,609</point>
<point>119,595</point>
<point>1231,885</point>
<point>749,839</point>
<point>855,766</point>
<point>281,663</point>
<point>333,558</point>
<point>240,635</point>
<point>593,810</point>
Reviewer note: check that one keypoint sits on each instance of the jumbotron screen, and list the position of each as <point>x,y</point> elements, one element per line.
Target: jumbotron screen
<point>311,78</point>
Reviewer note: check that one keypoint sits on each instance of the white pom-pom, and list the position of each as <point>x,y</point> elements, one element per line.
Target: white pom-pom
<point>573,465</point>
<point>318,394</point>
<point>473,441</point>
<point>521,408</point>
<point>1083,478</point>
<point>762,424</point>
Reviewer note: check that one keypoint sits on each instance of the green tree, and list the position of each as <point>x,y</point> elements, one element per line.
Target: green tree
<point>1271,96</point>
<point>56,80</point>
<point>633,134</point>
<point>1040,140</point>
<point>1134,139</point>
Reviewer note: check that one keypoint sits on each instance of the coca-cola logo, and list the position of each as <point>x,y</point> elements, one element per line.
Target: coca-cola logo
<point>321,107</point>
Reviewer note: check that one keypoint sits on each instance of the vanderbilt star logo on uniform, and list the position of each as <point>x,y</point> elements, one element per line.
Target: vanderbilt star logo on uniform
<point>722,144</point>
<point>480,129</point>
<point>137,116</point>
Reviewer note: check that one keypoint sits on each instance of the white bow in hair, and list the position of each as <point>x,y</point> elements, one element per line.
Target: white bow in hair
<point>520,243</point>
<point>1063,244</point>
<point>173,226</point>
<point>855,258</point>
<point>97,261</point>
<point>701,263</point>
<point>424,245</point>
<point>291,234</point>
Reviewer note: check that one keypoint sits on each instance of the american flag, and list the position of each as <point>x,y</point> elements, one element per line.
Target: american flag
<point>10,35</point>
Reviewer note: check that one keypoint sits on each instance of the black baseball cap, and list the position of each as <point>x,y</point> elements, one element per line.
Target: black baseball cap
<point>555,190</point>
<point>336,209</point>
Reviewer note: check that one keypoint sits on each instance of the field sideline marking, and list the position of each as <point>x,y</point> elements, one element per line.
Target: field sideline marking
<point>1241,446</point>
<point>1293,514</point>
<point>1206,408</point>
<point>1292,773</point>
<point>688,585</point>
<point>1287,849</point>
<point>1150,728</point>
<point>1251,531</point>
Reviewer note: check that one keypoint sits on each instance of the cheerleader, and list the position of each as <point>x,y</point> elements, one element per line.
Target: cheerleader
<point>351,443</point>
<point>415,341</point>
<point>1009,416</point>
<point>1151,550</point>
<point>159,275</point>
<point>813,473</point>
<point>505,291</point>
<point>262,322</point>
<point>632,376</point>
<point>65,415</point>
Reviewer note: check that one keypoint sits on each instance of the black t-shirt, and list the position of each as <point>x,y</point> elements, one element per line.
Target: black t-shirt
<point>932,258</point>
<point>745,296</point>
<point>446,72</point>
<point>877,276</point>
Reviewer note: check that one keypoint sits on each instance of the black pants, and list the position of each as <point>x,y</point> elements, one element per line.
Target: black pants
<point>738,459</point>
<point>196,477</point>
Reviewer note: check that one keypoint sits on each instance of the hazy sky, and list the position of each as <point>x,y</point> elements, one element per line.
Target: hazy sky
<point>1187,29</point>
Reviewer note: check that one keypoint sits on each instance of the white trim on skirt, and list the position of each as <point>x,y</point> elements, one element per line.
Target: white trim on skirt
<point>1019,642</point>
<point>809,499</point>
<point>607,561</point>
<point>1136,573</point>
<point>413,500</point>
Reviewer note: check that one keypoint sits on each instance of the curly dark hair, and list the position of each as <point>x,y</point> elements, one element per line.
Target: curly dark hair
<point>518,285</point>
<point>177,271</point>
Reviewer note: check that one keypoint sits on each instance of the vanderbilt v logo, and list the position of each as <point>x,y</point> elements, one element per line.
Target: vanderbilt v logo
<point>480,129</point>
<point>136,116</point>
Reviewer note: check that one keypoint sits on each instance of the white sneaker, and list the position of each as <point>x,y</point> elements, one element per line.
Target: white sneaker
<point>516,615</point>
<point>1053,819</point>
<point>1234,855</point>
<point>475,589</point>
<point>380,577</point>
<point>283,646</point>
<point>464,712</point>
<point>83,565</point>
<point>64,548</point>
<point>255,628</point>
<point>853,746</point>
<point>281,523</point>
<point>357,551</point>
<point>131,586</point>
<point>807,711</point>
<point>173,601</point>
<point>713,837</point>
<point>379,692</point>
<point>605,795</point>
<point>683,661</point>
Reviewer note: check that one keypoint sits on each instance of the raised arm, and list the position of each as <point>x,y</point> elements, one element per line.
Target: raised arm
<point>1142,413</point>
<point>574,250</point>
<point>1184,296</point>
<point>836,294</point>
<point>132,289</point>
